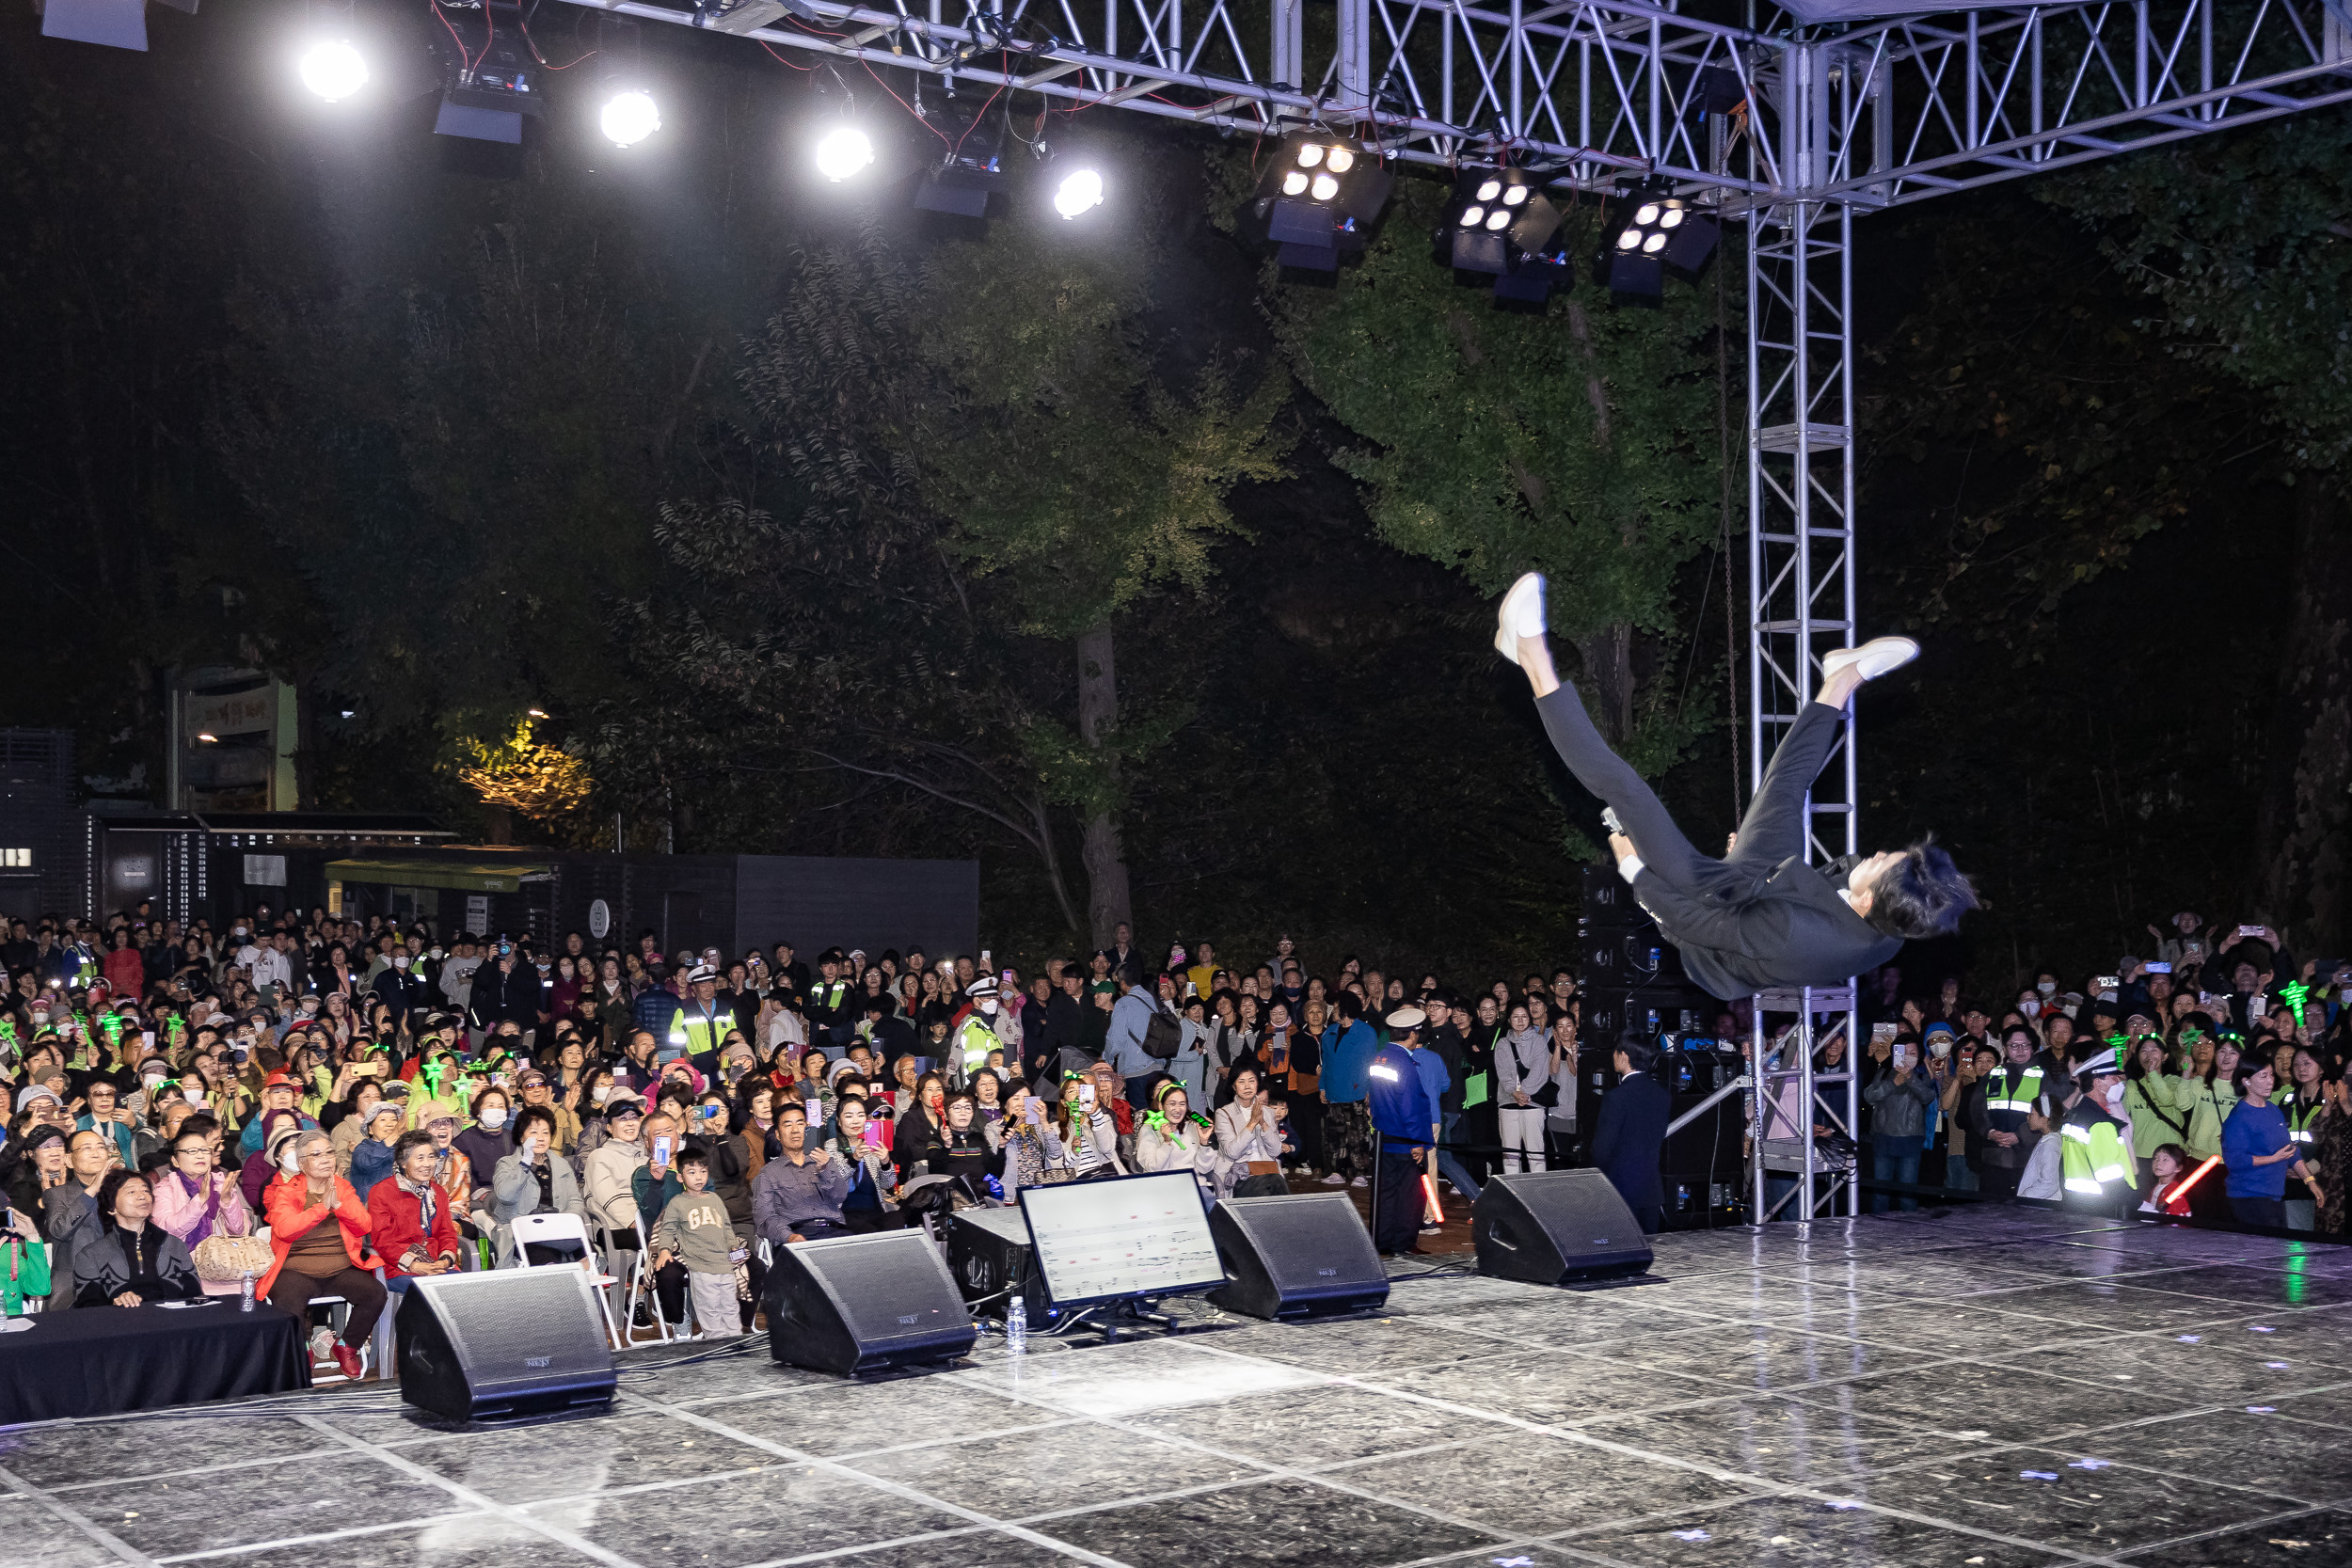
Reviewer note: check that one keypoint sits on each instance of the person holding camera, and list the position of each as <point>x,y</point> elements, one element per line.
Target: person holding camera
<point>1899,1096</point>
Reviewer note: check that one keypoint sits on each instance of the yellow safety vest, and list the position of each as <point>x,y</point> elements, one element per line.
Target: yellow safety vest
<point>2092,1157</point>
<point>2001,1096</point>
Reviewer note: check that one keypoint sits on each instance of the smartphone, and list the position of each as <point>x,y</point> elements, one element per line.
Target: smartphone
<point>2245,932</point>
<point>1609,819</point>
<point>984,959</point>
<point>2106,982</point>
<point>1033,1113</point>
<point>661,1150</point>
<point>2157,969</point>
<point>1882,1031</point>
<point>147,1039</point>
<point>368,1069</point>
<point>1006,978</point>
<point>1086,1094</point>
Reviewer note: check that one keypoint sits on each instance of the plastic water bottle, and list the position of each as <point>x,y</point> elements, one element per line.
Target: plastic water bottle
<point>244,1295</point>
<point>1017,1327</point>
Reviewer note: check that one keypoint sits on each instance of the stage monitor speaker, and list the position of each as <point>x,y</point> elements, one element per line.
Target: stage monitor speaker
<point>989,1255</point>
<point>1608,903</point>
<point>1302,1256</point>
<point>860,1304</point>
<point>503,1344</point>
<point>1556,1228</point>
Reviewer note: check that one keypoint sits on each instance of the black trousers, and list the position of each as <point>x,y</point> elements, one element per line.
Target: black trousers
<point>1400,1198</point>
<point>1771,832</point>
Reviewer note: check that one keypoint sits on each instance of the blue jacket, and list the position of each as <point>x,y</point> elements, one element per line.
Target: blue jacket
<point>1344,1061</point>
<point>1434,1076</point>
<point>1402,1106</point>
<point>2254,1130</point>
<point>371,1163</point>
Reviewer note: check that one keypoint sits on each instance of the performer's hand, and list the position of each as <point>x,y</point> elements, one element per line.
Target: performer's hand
<point>1731,842</point>
<point>1621,847</point>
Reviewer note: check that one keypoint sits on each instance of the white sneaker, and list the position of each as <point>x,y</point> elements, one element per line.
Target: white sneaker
<point>1521,615</point>
<point>1873,658</point>
<point>1335,1180</point>
<point>1359,1182</point>
<point>322,1344</point>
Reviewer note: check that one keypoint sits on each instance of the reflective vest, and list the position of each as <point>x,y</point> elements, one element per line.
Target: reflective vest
<point>2300,1119</point>
<point>2093,1156</point>
<point>700,1033</point>
<point>2001,1095</point>
<point>828,994</point>
<point>975,1039</point>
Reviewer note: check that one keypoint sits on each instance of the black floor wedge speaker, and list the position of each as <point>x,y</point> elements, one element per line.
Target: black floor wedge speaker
<point>862,1304</point>
<point>1556,1228</point>
<point>503,1345</point>
<point>1303,1256</point>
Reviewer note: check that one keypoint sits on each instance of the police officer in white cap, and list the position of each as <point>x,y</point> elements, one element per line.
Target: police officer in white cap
<point>975,1036</point>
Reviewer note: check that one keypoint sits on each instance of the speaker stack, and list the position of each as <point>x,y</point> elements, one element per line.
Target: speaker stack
<point>1633,979</point>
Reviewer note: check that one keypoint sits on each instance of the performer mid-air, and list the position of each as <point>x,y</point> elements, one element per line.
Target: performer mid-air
<point>1760,919</point>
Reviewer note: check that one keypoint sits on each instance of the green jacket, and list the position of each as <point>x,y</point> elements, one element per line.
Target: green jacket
<point>2206,1107</point>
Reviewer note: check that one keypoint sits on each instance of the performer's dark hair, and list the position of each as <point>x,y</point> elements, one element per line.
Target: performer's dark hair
<point>1922,894</point>
<point>1639,1051</point>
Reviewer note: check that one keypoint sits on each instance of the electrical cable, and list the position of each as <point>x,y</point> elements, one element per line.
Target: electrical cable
<point>464,58</point>
<point>781,60</point>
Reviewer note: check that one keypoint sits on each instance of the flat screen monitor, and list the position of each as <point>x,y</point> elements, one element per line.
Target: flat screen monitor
<point>1134,1235</point>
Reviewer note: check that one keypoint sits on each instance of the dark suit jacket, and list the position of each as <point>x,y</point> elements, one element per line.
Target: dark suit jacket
<point>1630,1132</point>
<point>1792,928</point>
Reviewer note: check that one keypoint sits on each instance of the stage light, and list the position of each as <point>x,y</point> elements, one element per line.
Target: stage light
<point>1317,197</point>
<point>843,152</point>
<point>334,71</point>
<point>960,187</point>
<point>1499,223</point>
<point>1080,191</point>
<point>1659,230</point>
<point>629,117</point>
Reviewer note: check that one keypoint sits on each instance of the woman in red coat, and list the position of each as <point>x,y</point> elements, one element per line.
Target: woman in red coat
<point>408,1216</point>
<point>319,1230</point>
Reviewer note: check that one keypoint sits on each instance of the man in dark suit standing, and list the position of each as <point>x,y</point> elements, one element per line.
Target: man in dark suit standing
<point>1760,918</point>
<point>1630,1131</point>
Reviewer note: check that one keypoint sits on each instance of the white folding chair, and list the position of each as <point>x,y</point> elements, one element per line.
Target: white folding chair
<point>542,1229</point>
<point>642,1285</point>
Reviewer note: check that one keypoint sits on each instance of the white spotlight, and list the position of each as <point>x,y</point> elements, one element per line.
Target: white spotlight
<point>334,71</point>
<point>843,152</point>
<point>1079,192</point>
<point>629,117</point>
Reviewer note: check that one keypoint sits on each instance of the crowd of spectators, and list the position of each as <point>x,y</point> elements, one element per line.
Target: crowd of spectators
<point>314,1107</point>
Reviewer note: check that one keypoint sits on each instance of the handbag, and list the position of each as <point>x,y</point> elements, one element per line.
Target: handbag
<point>224,1259</point>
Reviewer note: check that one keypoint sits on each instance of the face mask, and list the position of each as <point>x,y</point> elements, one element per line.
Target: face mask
<point>2031,1009</point>
<point>150,1080</point>
<point>41,1015</point>
<point>989,1006</point>
<point>602,1093</point>
<point>1939,1049</point>
<point>2115,1096</point>
<point>240,931</point>
<point>400,961</point>
<point>493,1117</point>
<point>2047,988</point>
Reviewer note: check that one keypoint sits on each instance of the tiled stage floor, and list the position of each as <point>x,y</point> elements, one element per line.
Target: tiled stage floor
<point>1979,1389</point>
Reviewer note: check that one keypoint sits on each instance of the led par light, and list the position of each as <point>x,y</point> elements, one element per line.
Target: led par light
<point>1497,217</point>
<point>1655,230</point>
<point>961,185</point>
<point>1318,195</point>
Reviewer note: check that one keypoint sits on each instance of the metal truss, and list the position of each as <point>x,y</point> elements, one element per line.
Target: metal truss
<point>1598,90</point>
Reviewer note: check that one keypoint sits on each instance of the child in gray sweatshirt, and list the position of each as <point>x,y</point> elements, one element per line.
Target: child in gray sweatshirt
<point>694,1230</point>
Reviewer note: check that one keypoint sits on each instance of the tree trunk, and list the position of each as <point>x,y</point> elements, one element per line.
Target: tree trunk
<point>2304,826</point>
<point>1105,859</point>
<point>1608,680</point>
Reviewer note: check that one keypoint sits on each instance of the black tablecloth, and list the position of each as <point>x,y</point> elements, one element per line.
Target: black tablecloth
<point>95,1360</point>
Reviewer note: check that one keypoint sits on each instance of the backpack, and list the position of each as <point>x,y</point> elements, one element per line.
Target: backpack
<point>1163,1036</point>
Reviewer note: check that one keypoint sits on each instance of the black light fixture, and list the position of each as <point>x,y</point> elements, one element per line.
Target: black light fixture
<point>1500,224</point>
<point>962,185</point>
<point>488,83</point>
<point>1318,197</point>
<point>1655,230</point>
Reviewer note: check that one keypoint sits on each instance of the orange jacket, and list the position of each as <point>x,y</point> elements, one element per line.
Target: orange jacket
<point>282,1206</point>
